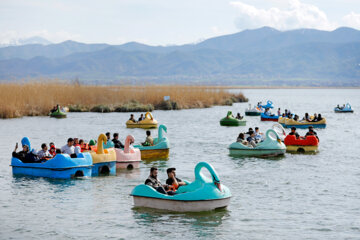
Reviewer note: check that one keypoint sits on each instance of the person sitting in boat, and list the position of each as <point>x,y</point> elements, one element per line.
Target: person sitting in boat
<point>251,139</point>
<point>293,132</point>
<point>258,135</point>
<point>154,182</point>
<point>338,106</point>
<point>307,117</point>
<point>279,112</point>
<point>32,157</point>
<point>132,118</point>
<point>311,132</point>
<point>69,147</point>
<point>52,151</point>
<point>20,155</point>
<point>241,139</point>
<point>116,141</point>
<point>53,109</point>
<point>108,136</point>
<point>76,142</point>
<point>315,119</point>
<point>44,153</point>
<point>296,118</point>
<point>83,145</point>
<point>268,113</point>
<point>149,140</point>
<point>173,182</point>
<point>238,116</point>
<point>141,117</point>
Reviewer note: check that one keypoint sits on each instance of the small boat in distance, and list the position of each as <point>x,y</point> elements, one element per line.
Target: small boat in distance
<point>344,109</point>
<point>147,123</point>
<point>230,121</point>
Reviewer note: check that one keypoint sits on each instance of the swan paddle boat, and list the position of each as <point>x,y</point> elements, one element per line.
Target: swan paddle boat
<point>62,166</point>
<point>147,123</point>
<point>278,128</point>
<point>304,124</point>
<point>229,120</point>
<point>160,149</point>
<point>58,113</point>
<point>129,157</point>
<point>308,144</point>
<point>346,109</point>
<point>104,160</point>
<point>255,111</point>
<point>265,117</point>
<point>269,104</point>
<point>271,146</point>
<point>203,194</point>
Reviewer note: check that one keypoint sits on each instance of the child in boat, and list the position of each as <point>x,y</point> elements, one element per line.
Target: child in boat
<point>20,155</point>
<point>172,180</point>
<point>52,151</point>
<point>132,118</point>
<point>258,135</point>
<point>141,117</point>
<point>83,145</point>
<point>154,182</point>
<point>241,139</point>
<point>76,142</point>
<point>44,153</point>
<point>69,147</point>
<point>149,140</point>
<point>116,141</point>
<point>293,132</point>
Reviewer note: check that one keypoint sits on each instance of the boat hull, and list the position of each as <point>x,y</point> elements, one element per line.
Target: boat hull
<point>128,164</point>
<point>181,206</point>
<point>106,168</point>
<point>252,113</point>
<point>154,153</point>
<point>303,126</point>
<point>59,173</point>
<point>269,119</point>
<point>301,149</point>
<point>58,115</point>
<point>144,126</point>
<point>232,123</point>
<point>257,153</point>
<point>342,111</point>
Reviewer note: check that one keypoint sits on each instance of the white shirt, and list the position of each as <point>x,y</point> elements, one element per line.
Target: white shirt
<point>42,154</point>
<point>67,149</point>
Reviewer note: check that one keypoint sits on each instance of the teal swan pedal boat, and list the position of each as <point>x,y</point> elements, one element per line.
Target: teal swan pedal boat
<point>203,194</point>
<point>346,109</point>
<point>58,113</point>
<point>271,146</point>
<point>229,121</point>
<point>62,166</point>
<point>160,149</point>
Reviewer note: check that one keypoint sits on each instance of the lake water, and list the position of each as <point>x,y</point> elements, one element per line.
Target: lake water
<point>292,197</point>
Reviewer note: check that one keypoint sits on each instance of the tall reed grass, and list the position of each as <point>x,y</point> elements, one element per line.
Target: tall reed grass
<point>37,98</point>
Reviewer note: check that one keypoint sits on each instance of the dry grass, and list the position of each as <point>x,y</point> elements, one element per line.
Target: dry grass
<point>35,98</point>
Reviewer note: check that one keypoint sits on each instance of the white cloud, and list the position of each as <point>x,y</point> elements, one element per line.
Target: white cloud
<point>352,20</point>
<point>296,15</point>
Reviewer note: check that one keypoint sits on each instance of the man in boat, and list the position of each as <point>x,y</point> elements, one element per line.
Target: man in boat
<point>293,132</point>
<point>238,116</point>
<point>44,153</point>
<point>251,139</point>
<point>311,132</point>
<point>172,180</point>
<point>132,118</point>
<point>154,182</point>
<point>149,141</point>
<point>69,147</point>
<point>20,155</point>
<point>116,141</point>
<point>141,117</point>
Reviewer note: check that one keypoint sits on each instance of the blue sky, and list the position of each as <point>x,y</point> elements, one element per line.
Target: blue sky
<point>165,22</point>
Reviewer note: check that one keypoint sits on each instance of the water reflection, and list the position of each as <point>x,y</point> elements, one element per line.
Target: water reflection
<point>129,174</point>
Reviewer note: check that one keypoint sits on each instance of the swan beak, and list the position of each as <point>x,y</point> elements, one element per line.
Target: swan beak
<point>218,185</point>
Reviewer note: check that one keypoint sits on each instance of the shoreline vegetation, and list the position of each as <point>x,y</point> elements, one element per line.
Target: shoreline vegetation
<point>36,98</point>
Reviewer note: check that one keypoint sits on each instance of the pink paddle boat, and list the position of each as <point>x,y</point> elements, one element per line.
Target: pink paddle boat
<point>129,157</point>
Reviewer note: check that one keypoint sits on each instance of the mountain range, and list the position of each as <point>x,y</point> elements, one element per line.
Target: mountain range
<point>263,56</point>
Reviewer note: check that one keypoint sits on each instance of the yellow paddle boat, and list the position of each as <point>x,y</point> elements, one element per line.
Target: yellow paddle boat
<point>148,122</point>
<point>304,124</point>
<point>104,160</point>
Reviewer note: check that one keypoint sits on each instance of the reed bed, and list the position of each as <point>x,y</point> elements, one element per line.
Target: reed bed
<point>37,98</point>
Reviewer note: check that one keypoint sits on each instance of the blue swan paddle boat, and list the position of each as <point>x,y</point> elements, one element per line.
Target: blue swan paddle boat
<point>203,194</point>
<point>269,147</point>
<point>346,109</point>
<point>61,166</point>
<point>160,149</point>
<point>269,104</point>
<point>265,117</point>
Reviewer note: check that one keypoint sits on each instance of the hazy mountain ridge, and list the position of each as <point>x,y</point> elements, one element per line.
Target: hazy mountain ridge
<point>261,56</point>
